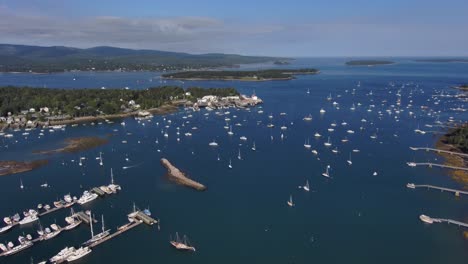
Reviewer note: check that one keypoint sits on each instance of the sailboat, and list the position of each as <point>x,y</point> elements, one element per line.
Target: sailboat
<point>230,131</point>
<point>181,244</point>
<point>253,147</point>
<point>100,159</point>
<point>95,238</point>
<point>306,187</point>
<point>230,164</point>
<point>349,161</point>
<point>327,144</point>
<point>21,184</point>
<point>239,155</point>
<point>218,158</point>
<point>290,201</point>
<point>326,173</point>
<point>307,144</point>
<point>308,91</point>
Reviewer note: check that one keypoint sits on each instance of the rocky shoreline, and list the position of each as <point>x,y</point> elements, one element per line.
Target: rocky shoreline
<point>12,167</point>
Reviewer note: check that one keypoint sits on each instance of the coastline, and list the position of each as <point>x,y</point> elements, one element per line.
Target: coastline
<point>245,79</point>
<point>453,160</point>
<point>164,109</point>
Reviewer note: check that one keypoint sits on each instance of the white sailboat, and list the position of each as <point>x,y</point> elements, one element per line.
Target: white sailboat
<point>100,159</point>
<point>239,157</point>
<point>308,91</point>
<point>290,201</point>
<point>307,144</point>
<point>326,173</point>
<point>99,236</point>
<point>328,143</point>
<point>253,147</point>
<point>21,184</point>
<point>230,164</point>
<point>306,187</point>
<point>349,161</point>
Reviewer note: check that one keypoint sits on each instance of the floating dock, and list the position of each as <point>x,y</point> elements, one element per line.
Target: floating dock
<point>145,218</point>
<point>98,191</point>
<point>84,217</point>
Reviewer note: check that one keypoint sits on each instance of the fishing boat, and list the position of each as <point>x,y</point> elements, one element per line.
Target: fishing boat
<point>181,244</point>
<point>78,254</point>
<point>87,197</point>
<point>62,255</point>
<point>290,201</point>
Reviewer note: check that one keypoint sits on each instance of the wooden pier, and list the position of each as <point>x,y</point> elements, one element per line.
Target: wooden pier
<point>440,151</point>
<point>119,231</point>
<point>443,189</point>
<point>430,165</point>
<point>448,221</point>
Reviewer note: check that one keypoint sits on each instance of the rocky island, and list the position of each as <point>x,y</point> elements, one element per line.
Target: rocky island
<point>368,62</point>
<point>252,76</point>
<point>12,167</point>
<point>176,175</point>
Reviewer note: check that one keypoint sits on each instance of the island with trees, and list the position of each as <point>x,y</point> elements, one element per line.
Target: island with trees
<point>368,62</point>
<point>463,87</point>
<point>259,75</point>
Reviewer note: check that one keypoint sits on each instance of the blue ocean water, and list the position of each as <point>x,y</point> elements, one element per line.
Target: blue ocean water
<point>353,217</point>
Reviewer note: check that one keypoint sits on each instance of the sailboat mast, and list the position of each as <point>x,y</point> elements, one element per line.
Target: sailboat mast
<point>91,225</point>
<point>112,177</point>
<point>102,217</point>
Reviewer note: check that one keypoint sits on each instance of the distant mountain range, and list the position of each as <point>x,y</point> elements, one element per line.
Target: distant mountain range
<point>23,58</point>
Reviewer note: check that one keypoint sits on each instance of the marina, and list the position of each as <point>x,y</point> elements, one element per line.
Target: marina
<point>278,181</point>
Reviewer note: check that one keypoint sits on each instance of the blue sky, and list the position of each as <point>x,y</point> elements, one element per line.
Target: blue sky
<point>283,28</point>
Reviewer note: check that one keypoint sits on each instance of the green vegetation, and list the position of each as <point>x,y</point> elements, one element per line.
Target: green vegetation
<point>458,137</point>
<point>260,75</point>
<point>463,87</point>
<point>20,58</point>
<point>368,62</point>
<point>92,102</point>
